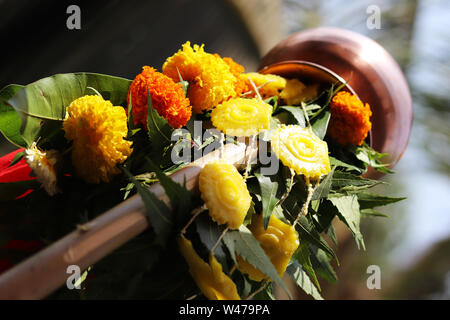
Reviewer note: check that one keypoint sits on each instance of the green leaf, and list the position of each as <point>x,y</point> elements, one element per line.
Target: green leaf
<point>307,232</point>
<point>302,256</point>
<point>369,200</point>
<point>321,264</point>
<point>339,163</point>
<point>348,181</point>
<point>303,281</point>
<point>297,113</point>
<point>181,199</point>
<point>348,208</point>
<point>324,187</point>
<point>184,84</point>
<point>209,232</point>
<point>371,157</point>
<point>320,124</point>
<point>47,99</point>
<point>10,122</point>
<point>159,130</point>
<point>372,213</point>
<point>243,243</point>
<point>159,215</point>
<point>19,156</point>
<point>269,198</point>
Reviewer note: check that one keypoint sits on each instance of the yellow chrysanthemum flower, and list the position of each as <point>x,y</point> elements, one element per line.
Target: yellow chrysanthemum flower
<point>300,149</point>
<point>225,194</point>
<point>271,83</point>
<point>279,241</point>
<point>97,129</point>
<point>297,92</point>
<point>210,78</point>
<point>210,278</point>
<point>242,117</point>
<point>43,164</point>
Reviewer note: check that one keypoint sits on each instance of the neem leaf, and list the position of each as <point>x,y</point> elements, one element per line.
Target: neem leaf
<point>324,187</point>
<point>372,213</point>
<point>348,181</point>
<point>209,232</point>
<point>307,232</point>
<point>303,281</point>
<point>10,122</point>
<point>321,264</point>
<point>297,113</point>
<point>269,198</point>
<point>348,207</point>
<point>320,124</point>
<point>181,199</point>
<point>159,130</point>
<point>159,215</point>
<point>243,243</point>
<point>369,200</point>
<point>339,163</point>
<point>302,256</point>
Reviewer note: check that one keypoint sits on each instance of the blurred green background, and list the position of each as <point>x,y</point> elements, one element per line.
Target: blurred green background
<point>412,246</point>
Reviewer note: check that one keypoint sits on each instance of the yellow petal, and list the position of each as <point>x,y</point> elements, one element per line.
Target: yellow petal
<point>279,242</point>
<point>225,193</point>
<point>242,117</point>
<point>300,149</point>
<point>210,278</point>
<point>296,92</point>
<point>271,84</point>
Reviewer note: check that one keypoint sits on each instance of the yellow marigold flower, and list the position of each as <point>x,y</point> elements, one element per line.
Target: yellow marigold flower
<point>350,119</point>
<point>242,117</point>
<point>225,194</point>
<point>210,278</point>
<point>271,83</point>
<point>279,241</point>
<point>210,78</point>
<point>97,129</point>
<point>296,92</point>
<point>43,164</point>
<point>300,149</point>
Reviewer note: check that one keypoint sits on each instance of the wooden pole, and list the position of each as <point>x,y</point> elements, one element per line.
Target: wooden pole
<point>46,271</point>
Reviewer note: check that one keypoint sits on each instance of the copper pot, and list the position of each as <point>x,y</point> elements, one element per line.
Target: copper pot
<point>337,55</point>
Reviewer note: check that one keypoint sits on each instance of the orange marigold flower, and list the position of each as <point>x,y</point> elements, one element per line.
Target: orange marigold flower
<point>240,85</point>
<point>210,78</point>
<point>167,98</point>
<point>350,119</point>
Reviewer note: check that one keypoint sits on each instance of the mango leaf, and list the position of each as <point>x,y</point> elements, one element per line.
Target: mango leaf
<point>47,99</point>
<point>302,256</point>
<point>303,281</point>
<point>159,130</point>
<point>159,215</point>
<point>369,200</point>
<point>10,122</point>
<point>298,114</point>
<point>320,124</point>
<point>348,208</point>
<point>243,243</point>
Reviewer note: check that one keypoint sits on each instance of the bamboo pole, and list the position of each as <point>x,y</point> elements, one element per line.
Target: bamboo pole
<point>46,271</point>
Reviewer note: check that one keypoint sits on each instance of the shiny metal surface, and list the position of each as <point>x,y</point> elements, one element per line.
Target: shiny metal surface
<point>369,69</point>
